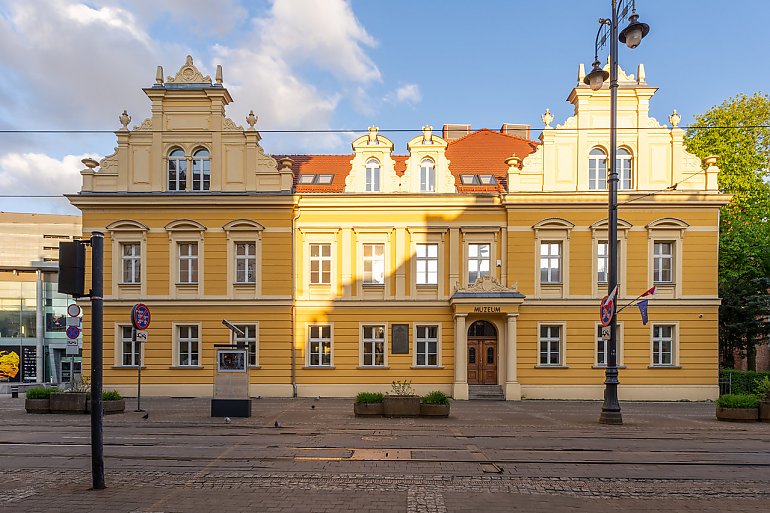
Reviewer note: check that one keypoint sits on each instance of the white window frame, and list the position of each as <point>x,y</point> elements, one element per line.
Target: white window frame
<point>373,176</point>
<point>596,182</point>
<point>319,261</point>
<point>552,230</point>
<point>625,164</point>
<point>119,350</point>
<point>321,340</point>
<point>667,229</point>
<point>134,261</point>
<point>178,186</point>
<point>178,340</point>
<point>426,340</point>
<point>371,343</point>
<point>251,331</point>
<point>562,344</point>
<point>242,278</point>
<point>427,175</point>
<point>188,262</point>
<point>656,340</point>
<point>549,259</point>
<point>599,234</point>
<point>185,231</point>
<point>423,274</point>
<point>477,261</point>
<point>127,232</point>
<point>373,263</point>
<point>598,341</point>
<point>201,184</point>
<point>659,257</point>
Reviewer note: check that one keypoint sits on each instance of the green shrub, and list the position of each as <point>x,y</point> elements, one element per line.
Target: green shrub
<point>741,382</point>
<point>737,401</point>
<point>111,395</point>
<point>762,388</point>
<point>40,393</point>
<point>435,397</point>
<point>370,397</point>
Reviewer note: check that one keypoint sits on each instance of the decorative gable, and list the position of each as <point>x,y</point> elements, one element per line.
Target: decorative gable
<point>368,149</point>
<point>431,149</point>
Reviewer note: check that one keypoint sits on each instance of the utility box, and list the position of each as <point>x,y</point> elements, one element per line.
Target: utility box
<point>231,383</point>
<point>72,268</point>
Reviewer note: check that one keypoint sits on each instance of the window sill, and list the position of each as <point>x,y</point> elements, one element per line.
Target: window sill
<point>376,367</point>
<point>429,367</point>
<point>320,285</point>
<point>664,366</point>
<point>319,367</point>
<point>427,285</point>
<point>604,366</point>
<point>255,366</point>
<point>373,285</point>
<point>551,284</point>
<point>130,285</point>
<point>185,367</point>
<point>187,285</point>
<point>552,366</point>
<point>127,367</point>
<point>244,284</point>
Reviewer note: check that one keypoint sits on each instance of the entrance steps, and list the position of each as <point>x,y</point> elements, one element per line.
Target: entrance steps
<point>485,393</point>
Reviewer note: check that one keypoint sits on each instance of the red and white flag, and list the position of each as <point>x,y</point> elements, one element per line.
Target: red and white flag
<point>611,296</point>
<point>650,292</point>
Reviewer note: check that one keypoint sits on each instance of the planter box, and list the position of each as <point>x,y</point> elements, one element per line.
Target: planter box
<point>401,406</point>
<point>37,405</point>
<point>764,411</point>
<point>434,410</point>
<point>68,402</point>
<point>108,407</point>
<point>367,409</point>
<point>738,414</point>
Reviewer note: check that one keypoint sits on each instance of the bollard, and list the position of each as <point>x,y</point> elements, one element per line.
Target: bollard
<point>14,392</point>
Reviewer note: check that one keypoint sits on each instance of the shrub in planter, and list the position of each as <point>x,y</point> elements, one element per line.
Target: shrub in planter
<point>112,402</point>
<point>435,404</point>
<point>737,407</point>
<point>37,400</point>
<point>762,387</point>
<point>401,401</point>
<point>368,403</point>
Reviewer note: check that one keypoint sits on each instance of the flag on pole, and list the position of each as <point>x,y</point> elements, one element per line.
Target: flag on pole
<point>643,309</point>
<point>611,297</point>
<point>650,292</point>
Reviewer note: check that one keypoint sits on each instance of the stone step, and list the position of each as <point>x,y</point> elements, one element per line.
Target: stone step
<point>485,393</point>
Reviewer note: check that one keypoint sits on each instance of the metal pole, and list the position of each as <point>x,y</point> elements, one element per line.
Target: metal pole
<point>138,370</point>
<point>611,407</point>
<point>97,319</point>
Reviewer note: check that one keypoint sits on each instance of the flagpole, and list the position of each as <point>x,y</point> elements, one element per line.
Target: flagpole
<point>632,301</point>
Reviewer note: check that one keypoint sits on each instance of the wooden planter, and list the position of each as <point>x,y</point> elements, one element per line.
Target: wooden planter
<point>434,410</point>
<point>764,410</point>
<point>738,414</point>
<point>401,406</point>
<point>367,409</point>
<point>68,402</point>
<point>37,405</point>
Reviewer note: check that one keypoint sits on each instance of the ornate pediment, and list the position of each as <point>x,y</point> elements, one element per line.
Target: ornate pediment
<point>487,284</point>
<point>146,126</point>
<point>230,126</point>
<point>189,74</point>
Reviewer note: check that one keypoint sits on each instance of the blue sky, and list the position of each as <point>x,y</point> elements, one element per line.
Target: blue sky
<point>332,64</point>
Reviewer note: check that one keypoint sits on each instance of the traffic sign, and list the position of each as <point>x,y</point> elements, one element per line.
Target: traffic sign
<point>73,310</point>
<point>73,349</point>
<point>140,316</point>
<point>605,332</point>
<point>141,336</point>
<point>73,321</point>
<point>606,310</point>
<point>73,332</point>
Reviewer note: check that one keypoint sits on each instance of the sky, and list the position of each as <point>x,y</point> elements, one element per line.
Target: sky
<point>338,64</point>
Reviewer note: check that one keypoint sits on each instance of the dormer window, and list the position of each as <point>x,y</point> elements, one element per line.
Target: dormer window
<point>478,180</point>
<point>623,163</point>
<point>315,179</point>
<point>427,176</point>
<point>372,176</point>
<point>177,171</point>
<point>201,168</point>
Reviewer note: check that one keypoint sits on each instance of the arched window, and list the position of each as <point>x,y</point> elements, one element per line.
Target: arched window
<point>427,176</point>
<point>201,168</point>
<point>623,164</point>
<point>597,170</point>
<point>482,329</point>
<point>372,176</point>
<point>177,170</point>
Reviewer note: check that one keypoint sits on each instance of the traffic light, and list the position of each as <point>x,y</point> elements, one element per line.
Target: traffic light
<point>72,268</point>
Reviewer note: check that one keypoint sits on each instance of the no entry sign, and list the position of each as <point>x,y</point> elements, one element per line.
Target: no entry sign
<point>140,316</point>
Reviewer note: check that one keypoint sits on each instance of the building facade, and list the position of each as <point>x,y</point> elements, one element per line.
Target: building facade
<point>32,312</point>
<point>478,258</point>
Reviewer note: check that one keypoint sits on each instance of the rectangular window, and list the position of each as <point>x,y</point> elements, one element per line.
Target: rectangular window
<point>550,262</point>
<point>129,348</point>
<point>550,345</point>
<point>662,345</point>
<point>478,261</point>
<point>245,262</point>
<point>374,345</point>
<point>320,346</point>
<point>374,264</point>
<point>372,179</point>
<point>249,340</point>
<point>427,264</point>
<point>320,264</point>
<point>427,345</point>
<point>663,262</point>
<point>188,262</point>
<point>601,348</point>
<point>602,261</point>
<point>132,262</point>
<point>187,346</point>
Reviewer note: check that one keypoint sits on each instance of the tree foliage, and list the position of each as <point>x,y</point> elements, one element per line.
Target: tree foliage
<point>738,131</point>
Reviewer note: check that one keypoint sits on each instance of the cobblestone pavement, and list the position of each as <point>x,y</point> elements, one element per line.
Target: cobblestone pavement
<point>524,456</point>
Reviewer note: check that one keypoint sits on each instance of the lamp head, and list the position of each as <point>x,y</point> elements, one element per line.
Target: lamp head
<point>596,78</point>
<point>632,35</point>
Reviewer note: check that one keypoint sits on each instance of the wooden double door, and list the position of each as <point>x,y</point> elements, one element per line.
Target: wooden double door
<point>482,361</point>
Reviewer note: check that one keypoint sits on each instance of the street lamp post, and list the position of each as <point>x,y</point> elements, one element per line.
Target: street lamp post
<point>631,35</point>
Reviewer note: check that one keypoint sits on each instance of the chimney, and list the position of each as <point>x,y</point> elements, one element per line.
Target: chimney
<point>517,130</point>
<point>455,131</point>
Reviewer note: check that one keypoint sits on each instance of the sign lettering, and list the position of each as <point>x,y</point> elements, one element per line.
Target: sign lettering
<point>486,309</point>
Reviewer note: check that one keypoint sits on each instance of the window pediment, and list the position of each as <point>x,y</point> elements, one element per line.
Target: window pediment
<point>243,225</point>
<point>602,225</point>
<point>553,223</point>
<point>126,225</point>
<point>184,225</point>
<point>667,223</point>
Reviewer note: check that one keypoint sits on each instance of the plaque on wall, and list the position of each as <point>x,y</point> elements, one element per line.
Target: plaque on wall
<point>400,338</point>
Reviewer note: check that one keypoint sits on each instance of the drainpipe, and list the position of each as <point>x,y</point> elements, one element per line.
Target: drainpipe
<point>293,301</point>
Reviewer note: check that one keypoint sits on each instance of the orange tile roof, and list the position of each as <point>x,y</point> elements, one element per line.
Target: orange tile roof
<point>481,152</point>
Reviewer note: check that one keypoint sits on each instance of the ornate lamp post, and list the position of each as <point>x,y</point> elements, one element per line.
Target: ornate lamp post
<point>631,35</point>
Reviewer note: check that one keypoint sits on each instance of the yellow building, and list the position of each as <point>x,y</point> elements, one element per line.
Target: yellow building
<point>472,264</point>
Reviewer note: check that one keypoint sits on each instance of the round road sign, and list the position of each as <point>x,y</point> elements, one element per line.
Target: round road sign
<point>140,316</point>
<point>73,310</point>
<point>73,332</point>
<point>606,311</point>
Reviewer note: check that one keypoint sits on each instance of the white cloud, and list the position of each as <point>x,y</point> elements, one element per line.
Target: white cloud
<point>409,93</point>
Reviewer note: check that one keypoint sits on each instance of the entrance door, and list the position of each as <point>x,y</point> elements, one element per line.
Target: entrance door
<point>482,362</point>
